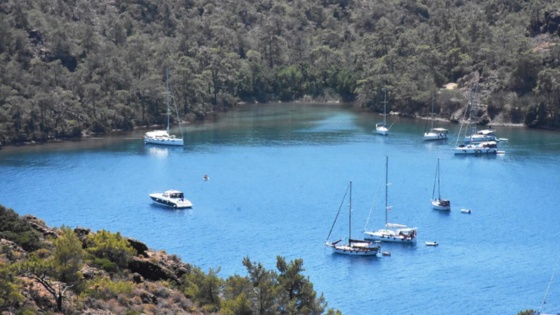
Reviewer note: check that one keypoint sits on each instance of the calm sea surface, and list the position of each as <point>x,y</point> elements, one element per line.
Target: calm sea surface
<point>277,177</point>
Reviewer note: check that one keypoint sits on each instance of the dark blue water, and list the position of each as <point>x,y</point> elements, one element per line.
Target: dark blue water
<point>277,177</point>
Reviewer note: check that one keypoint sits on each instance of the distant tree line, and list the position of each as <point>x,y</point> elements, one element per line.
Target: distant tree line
<point>70,67</point>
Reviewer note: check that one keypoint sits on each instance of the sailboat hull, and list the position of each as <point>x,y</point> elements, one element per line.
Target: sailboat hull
<point>443,205</point>
<point>436,134</point>
<point>489,147</point>
<point>382,130</point>
<point>169,140</point>
<point>384,236</point>
<point>361,248</point>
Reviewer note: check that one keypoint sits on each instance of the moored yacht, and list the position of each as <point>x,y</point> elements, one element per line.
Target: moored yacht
<point>171,198</point>
<point>439,203</point>
<point>488,147</point>
<point>353,247</point>
<point>391,232</point>
<point>381,127</point>
<point>482,136</point>
<point>436,134</point>
<point>163,137</point>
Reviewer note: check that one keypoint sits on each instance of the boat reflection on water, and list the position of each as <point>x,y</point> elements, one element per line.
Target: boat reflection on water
<point>161,151</point>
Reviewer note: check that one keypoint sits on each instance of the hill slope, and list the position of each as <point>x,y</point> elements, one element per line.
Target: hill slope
<point>74,67</point>
<point>46,270</point>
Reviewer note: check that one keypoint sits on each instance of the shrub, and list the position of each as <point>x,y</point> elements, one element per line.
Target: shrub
<point>17,230</point>
<point>111,246</point>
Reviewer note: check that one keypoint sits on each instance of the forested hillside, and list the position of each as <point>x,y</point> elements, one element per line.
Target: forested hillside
<point>72,67</point>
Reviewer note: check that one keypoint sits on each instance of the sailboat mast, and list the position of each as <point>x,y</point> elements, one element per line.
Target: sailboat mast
<point>436,180</point>
<point>386,187</point>
<point>167,94</point>
<point>432,111</point>
<point>350,217</point>
<point>385,108</point>
<point>438,185</point>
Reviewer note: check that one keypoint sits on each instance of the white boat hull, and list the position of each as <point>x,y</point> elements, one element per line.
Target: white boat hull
<point>177,203</point>
<point>436,134</point>
<point>389,237</point>
<point>437,205</point>
<point>382,130</point>
<point>164,141</point>
<point>482,136</point>
<point>477,149</point>
<point>162,137</point>
<point>357,249</point>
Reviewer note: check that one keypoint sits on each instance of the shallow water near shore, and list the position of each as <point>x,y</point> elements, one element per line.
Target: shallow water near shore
<point>277,175</point>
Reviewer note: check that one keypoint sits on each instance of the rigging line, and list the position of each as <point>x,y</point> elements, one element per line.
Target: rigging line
<point>393,123</point>
<point>339,208</point>
<point>550,283</point>
<point>177,113</point>
<point>467,110</point>
<point>371,208</point>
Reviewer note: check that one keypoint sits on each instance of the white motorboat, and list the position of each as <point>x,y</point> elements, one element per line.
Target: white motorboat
<point>381,127</point>
<point>435,133</point>
<point>163,137</point>
<point>171,198</point>
<point>353,246</point>
<point>439,203</point>
<point>391,232</point>
<point>432,244</point>
<point>482,136</point>
<point>488,147</point>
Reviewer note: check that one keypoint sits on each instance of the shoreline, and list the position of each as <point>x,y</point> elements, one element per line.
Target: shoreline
<point>211,118</point>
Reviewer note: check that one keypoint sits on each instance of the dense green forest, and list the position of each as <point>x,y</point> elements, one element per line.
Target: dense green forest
<point>74,67</point>
<point>64,271</point>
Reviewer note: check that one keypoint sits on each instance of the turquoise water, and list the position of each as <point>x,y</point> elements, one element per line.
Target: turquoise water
<point>277,177</point>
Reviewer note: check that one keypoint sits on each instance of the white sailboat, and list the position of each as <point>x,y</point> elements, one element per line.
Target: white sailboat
<point>381,127</point>
<point>439,203</point>
<point>435,133</point>
<point>353,246</point>
<point>163,137</point>
<point>392,232</point>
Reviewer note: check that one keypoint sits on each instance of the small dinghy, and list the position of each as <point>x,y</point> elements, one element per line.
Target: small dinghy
<point>386,253</point>
<point>466,210</point>
<point>432,244</point>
